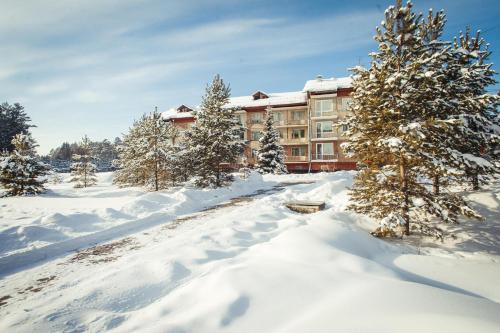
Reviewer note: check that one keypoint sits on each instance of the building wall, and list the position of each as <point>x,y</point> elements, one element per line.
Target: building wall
<point>327,111</point>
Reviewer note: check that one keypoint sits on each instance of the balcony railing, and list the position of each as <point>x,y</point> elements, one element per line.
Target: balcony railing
<point>325,157</point>
<point>255,121</point>
<point>293,140</point>
<point>297,122</point>
<point>321,135</point>
<point>283,122</point>
<point>324,114</point>
<point>295,158</point>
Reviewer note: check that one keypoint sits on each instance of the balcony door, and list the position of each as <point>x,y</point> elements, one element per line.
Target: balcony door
<point>324,151</point>
<point>324,129</point>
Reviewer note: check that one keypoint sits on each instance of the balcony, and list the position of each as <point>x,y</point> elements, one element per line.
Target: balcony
<point>295,158</point>
<point>324,114</point>
<point>292,141</point>
<point>325,135</point>
<point>291,122</point>
<point>297,122</point>
<point>325,157</point>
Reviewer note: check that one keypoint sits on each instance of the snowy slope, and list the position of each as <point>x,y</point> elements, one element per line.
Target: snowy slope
<point>255,266</point>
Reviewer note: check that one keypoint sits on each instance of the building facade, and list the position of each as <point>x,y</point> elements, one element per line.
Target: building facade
<point>308,123</point>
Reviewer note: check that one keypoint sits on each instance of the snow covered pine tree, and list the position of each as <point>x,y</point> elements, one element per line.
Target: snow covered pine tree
<point>215,139</point>
<point>82,168</point>
<point>396,131</point>
<point>13,120</point>
<point>271,155</point>
<point>20,170</point>
<point>477,136</point>
<point>146,155</point>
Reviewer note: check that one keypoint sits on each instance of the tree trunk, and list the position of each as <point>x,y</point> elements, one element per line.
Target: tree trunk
<point>156,175</point>
<point>218,175</point>
<point>475,182</point>
<point>435,185</point>
<point>406,204</point>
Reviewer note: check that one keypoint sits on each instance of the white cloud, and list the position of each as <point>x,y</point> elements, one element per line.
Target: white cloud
<point>62,57</point>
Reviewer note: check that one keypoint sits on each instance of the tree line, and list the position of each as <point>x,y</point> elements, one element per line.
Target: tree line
<point>103,153</point>
<point>152,153</point>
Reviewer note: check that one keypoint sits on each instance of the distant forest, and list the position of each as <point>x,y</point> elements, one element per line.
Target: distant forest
<point>103,152</point>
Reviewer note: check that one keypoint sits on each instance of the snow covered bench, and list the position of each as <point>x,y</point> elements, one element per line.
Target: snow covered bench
<point>305,206</point>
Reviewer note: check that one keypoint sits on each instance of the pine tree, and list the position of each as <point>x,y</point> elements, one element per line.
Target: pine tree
<point>82,169</point>
<point>271,155</point>
<point>13,120</point>
<point>146,156</point>
<point>400,131</point>
<point>215,139</point>
<point>182,163</point>
<point>478,136</point>
<point>20,170</point>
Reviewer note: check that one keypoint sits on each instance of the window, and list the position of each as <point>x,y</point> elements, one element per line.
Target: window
<point>322,106</point>
<point>256,118</point>
<point>298,115</point>
<point>298,151</point>
<point>282,135</point>
<point>324,150</point>
<point>298,134</point>
<point>256,135</point>
<point>277,117</point>
<point>344,103</point>
<point>324,129</point>
<point>255,153</point>
<point>345,128</point>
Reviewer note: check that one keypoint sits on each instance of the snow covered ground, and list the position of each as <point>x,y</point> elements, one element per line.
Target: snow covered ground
<point>65,214</point>
<point>161,265</point>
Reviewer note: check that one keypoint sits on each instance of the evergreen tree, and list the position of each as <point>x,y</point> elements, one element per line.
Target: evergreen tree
<point>13,120</point>
<point>20,170</point>
<point>146,156</point>
<point>456,79</point>
<point>271,155</point>
<point>182,163</point>
<point>215,139</point>
<point>82,169</point>
<point>399,131</point>
<point>478,136</point>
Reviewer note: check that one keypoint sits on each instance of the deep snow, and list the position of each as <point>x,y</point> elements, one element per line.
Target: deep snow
<point>253,266</point>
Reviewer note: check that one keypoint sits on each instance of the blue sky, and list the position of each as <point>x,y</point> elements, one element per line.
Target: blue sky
<point>92,67</point>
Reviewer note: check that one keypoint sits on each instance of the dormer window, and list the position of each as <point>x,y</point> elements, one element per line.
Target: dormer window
<point>259,95</point>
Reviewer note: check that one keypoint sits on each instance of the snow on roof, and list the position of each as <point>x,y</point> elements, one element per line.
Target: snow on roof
<point>331,84</point>
<point>273,99</point>
<point>174,114</point>
<point>294,97</point>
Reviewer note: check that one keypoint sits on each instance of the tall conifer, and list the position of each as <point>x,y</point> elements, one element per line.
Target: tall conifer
<point>146,155</point>
<point>400,130</point>
<point>271,155</point>
<point>215,140</point>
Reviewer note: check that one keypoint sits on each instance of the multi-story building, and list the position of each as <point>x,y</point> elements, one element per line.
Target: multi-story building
<point>307,121</point>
